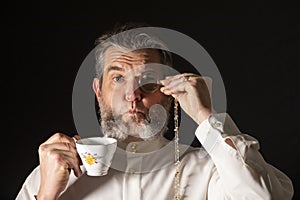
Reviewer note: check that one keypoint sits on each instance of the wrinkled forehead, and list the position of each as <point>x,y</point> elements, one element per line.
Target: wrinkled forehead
<point>142,59</point>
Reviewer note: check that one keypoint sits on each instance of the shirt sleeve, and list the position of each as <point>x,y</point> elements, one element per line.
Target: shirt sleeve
<point>241,172</point>
<point>30,186</point>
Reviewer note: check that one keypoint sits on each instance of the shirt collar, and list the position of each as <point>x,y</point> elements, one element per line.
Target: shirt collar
<point>145,146</point>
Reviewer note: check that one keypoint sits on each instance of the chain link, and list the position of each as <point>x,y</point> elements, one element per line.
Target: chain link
<point>177,153</point>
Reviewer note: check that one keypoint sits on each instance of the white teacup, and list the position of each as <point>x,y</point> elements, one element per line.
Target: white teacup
<point>96,154</point>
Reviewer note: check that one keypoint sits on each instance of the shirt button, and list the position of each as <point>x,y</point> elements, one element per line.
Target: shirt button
<point>133,148</point>
<point>216,124</point>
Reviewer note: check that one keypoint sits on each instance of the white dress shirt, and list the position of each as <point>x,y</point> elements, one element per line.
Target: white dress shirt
<point>145,170</point>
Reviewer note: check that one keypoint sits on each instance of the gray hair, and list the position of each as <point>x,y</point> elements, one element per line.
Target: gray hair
<point>129,37</point>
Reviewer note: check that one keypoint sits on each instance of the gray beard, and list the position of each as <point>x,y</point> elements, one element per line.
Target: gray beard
<point>154,126</point>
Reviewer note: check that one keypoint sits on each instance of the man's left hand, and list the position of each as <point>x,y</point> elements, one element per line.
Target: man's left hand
<point>192,93</point>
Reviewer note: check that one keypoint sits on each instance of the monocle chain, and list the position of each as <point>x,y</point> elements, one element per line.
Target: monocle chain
<point>177,153</point>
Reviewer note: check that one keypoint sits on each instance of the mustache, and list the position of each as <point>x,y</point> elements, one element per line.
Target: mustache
<point>136,114</point>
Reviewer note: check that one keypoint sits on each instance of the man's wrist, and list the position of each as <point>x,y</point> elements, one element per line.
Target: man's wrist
<point>202,116</point>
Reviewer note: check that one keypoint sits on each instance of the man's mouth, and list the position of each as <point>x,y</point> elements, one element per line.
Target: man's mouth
<point>135,112</point>
<point>137,115</point>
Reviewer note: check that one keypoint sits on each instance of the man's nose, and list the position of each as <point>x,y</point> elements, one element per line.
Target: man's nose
<point>132,91</point>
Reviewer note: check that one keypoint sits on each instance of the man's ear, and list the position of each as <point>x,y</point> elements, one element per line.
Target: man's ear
<point>97,88</point>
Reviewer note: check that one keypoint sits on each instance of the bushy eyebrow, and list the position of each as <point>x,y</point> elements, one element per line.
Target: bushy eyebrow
<point>115,68</point>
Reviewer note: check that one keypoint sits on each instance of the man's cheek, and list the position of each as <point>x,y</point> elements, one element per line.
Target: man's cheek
<point>116,104</point>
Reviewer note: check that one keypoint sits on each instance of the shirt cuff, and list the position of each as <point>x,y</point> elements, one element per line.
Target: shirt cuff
<point>214,129</point>
<point>207,135</point>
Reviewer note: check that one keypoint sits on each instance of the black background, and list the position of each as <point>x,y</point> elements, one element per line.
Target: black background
<point>254,44</point>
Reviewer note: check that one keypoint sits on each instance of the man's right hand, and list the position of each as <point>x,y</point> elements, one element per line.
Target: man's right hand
<point>57,156</point>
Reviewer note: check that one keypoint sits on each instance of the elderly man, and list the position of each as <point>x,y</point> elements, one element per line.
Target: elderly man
<point>135,96</point>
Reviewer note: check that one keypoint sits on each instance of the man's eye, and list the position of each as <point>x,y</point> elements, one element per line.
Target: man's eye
<point>118,79</point>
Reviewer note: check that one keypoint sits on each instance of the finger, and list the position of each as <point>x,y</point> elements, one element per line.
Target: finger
<point>60,137</point>
<point>66,146</point>
<point>178,77</point>
<point>67,159</point>
<point>59,142</point>
<point>166,91</point>
<point>74,163</point>
<point>178,88</point>
<point>195,81</point>
<point>174,94</point>
<point>174,82</point>
<point>178,85</point>
<point>170,79</point>
<point>79,159</point>
<point>77,137</point>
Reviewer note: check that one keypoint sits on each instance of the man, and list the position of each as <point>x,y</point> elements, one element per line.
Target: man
<point>135,96</point>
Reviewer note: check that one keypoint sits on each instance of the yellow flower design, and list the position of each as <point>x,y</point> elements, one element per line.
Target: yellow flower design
<point>89,159</point>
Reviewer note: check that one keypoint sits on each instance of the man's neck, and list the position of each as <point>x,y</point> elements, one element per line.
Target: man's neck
<point>132,139</point>
<point>140,145</point>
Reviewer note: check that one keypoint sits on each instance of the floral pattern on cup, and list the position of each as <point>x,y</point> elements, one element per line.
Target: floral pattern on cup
<point>89,158</point>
